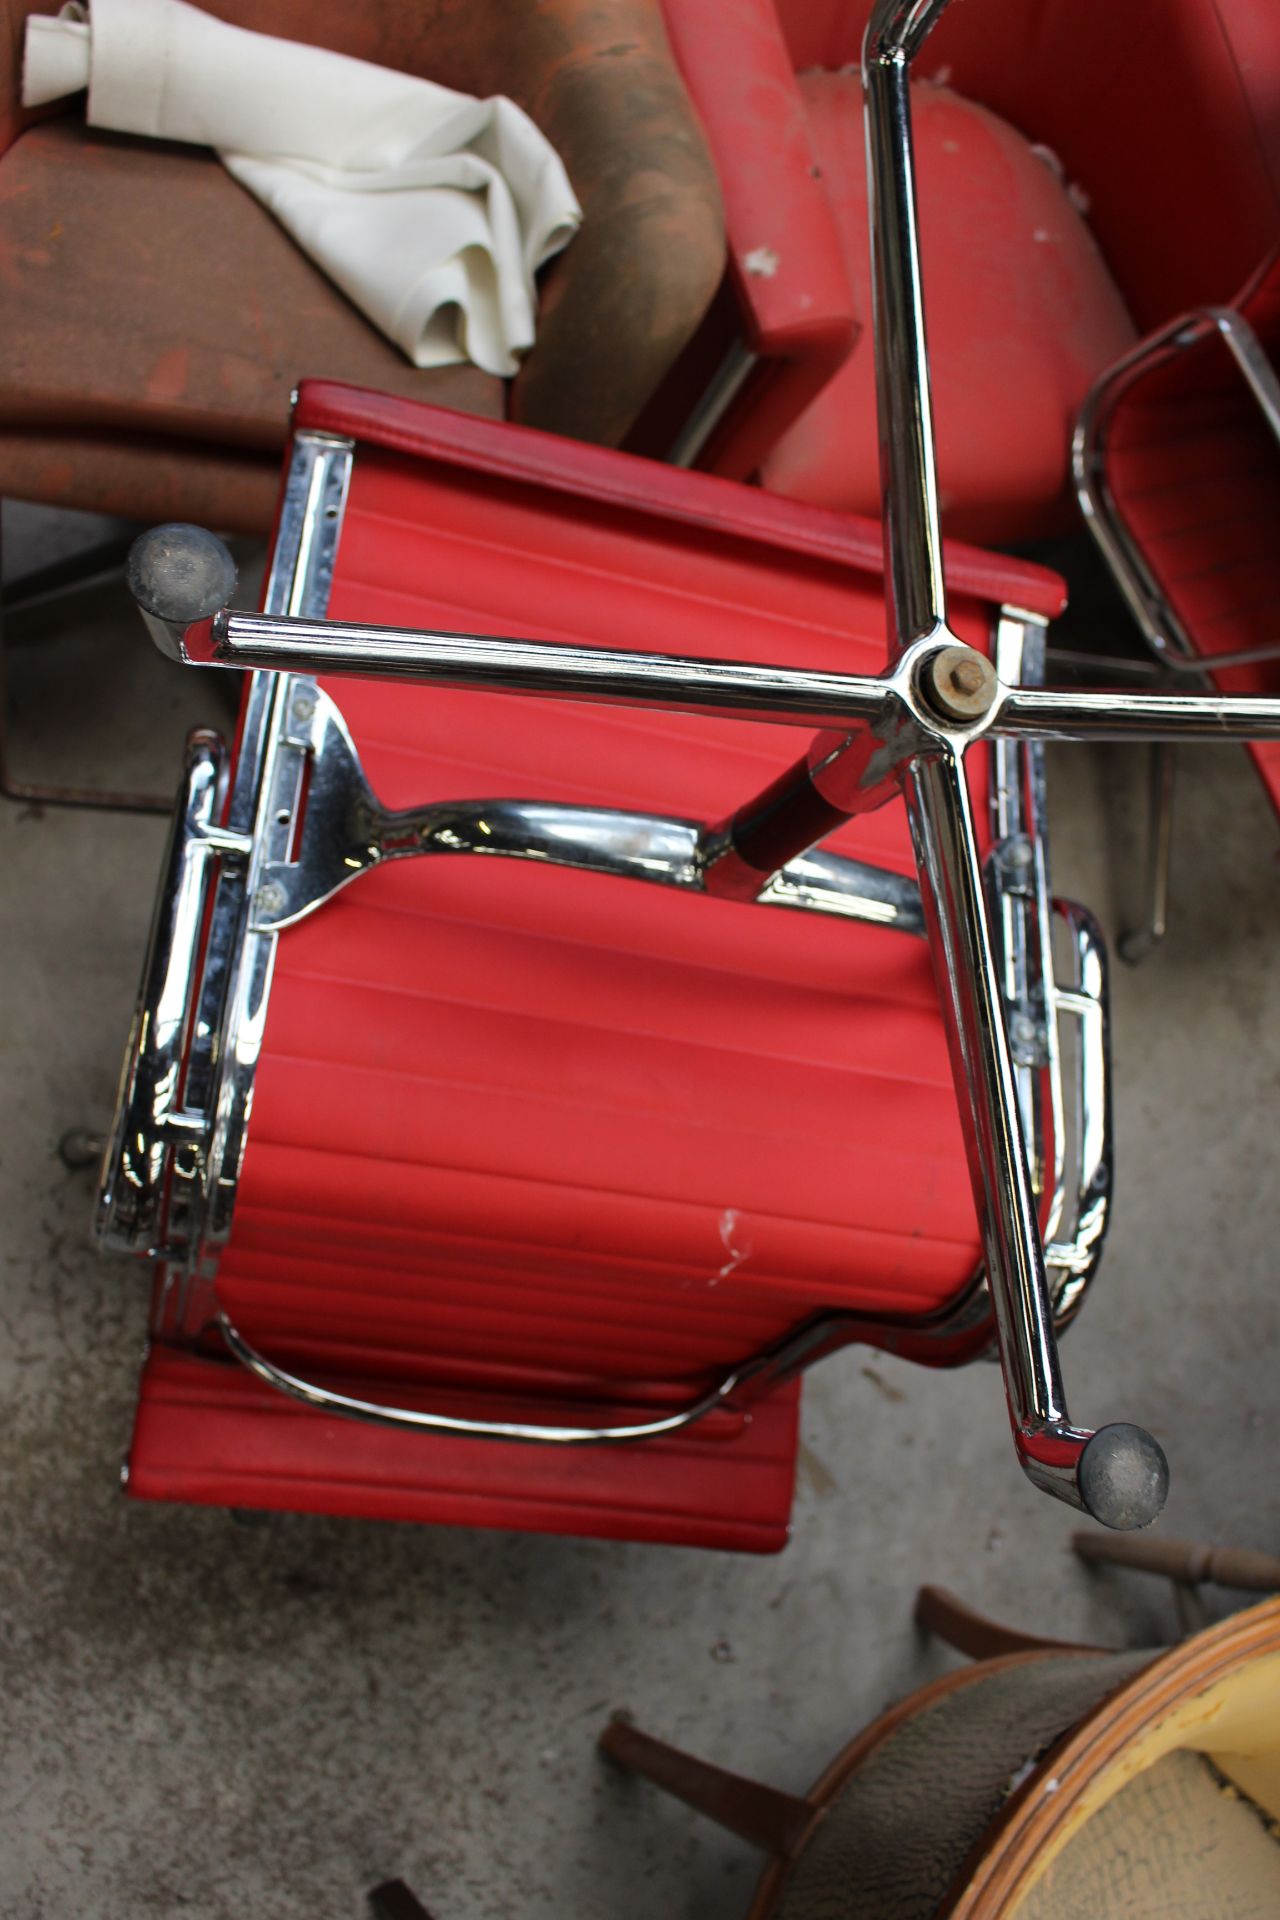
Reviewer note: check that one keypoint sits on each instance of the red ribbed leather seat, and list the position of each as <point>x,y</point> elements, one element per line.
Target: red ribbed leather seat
<point>526,1137</point>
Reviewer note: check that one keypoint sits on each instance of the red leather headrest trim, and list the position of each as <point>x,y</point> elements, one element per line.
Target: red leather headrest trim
<point>646,486</point>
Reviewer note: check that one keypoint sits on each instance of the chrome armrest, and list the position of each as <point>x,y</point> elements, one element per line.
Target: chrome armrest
<point>150,1115</point>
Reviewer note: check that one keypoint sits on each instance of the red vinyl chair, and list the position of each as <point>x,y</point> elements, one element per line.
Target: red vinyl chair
<point>1086,173</point>
<point>482,1187</point>
<point>528,1144</point>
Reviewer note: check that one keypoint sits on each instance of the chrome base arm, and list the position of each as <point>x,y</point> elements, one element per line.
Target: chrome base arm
<point>1119,1475</point>
<point>347,832</point>
<point>899,703</point>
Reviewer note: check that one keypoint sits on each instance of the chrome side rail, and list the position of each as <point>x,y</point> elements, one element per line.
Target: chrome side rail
<point>172,1163</point>
<point>1085,1003</point>
<point>150,1114</point>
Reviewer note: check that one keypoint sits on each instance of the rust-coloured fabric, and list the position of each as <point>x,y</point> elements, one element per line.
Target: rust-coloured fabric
<point>144,294</point>
<point>203,314</point>
<point>142,478</point>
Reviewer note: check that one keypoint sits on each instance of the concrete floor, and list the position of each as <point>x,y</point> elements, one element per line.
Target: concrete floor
<point>217,1720</point>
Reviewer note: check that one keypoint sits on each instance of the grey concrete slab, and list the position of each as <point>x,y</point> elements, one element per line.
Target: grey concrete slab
<point>216,1720</point>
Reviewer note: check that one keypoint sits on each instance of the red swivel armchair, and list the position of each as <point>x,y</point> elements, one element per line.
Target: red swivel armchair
<point>500,1137</point>
<point>514,1109</point>
<point>1087,172</point>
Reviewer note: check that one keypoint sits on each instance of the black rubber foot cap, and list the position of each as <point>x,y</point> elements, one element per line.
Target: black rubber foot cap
<point>179,573</point>
<point>1123,1477</point>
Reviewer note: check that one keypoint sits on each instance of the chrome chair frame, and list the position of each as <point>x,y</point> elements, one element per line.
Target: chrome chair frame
<point>173,1163</point>
<point>904,732</point>
<point>1159,625</point>
<point>1156,620</point>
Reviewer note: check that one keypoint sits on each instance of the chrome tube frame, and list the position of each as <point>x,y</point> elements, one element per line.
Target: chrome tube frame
<point>1157,621</point>
<point>906,732</point>
<point>753,1376</point>
<point>1156,618</point>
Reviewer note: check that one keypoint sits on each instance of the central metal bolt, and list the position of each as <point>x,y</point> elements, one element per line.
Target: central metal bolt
<point>965,677</point>
<point>959,684</point>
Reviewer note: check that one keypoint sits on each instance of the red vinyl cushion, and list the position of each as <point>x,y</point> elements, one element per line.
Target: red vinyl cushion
<point>1021,312</point>
<point>523,1131</point>
<point>567,474</point>
<point>213,1435</point>
<point>1162,112</point>
<point>1195,474</point>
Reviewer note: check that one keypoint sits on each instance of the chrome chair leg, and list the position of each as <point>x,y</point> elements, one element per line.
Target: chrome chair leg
<point>1137,942</point>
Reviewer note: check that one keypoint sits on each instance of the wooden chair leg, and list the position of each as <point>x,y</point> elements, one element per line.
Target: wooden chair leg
<point>1137,942</point>
<point>1185,1561</point>
<point>939,1612</point>
<point>393,1901</point>
<point>768,1818</point>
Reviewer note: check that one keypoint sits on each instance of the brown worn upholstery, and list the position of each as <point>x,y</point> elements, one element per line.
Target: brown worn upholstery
<point>156,318</point>
<point>112,332</point>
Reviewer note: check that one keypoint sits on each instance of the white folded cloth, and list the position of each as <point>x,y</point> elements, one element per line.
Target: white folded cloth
<point>431,210</point>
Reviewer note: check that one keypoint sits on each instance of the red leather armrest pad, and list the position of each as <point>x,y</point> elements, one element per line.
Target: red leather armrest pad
<point>646,486</point>
<point>740,77</point>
